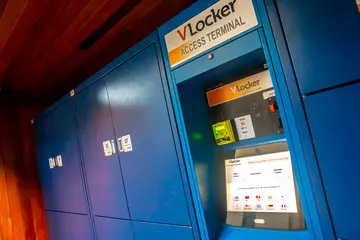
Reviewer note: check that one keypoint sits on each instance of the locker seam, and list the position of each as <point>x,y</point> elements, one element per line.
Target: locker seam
<point>330,88</point>
<point>118,153</point>
<point>82,171</point>
<point>296,183</point>
<point>142,221</point>
<point>178,150</point>
<point>65,212</point>
<point>167,224</point>
<point>307,122</point>
<point>292,72</point>
<point>291,136</point>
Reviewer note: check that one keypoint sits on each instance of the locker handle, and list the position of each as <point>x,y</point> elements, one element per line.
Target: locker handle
<point>120,146</point>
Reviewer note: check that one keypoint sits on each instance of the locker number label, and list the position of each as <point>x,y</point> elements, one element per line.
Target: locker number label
<point>109,148</point>
<point>51,163</point>
<point>126,143</point>
<point>59,162</point>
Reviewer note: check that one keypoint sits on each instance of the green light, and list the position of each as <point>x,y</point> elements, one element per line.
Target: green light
<point>196,136</point>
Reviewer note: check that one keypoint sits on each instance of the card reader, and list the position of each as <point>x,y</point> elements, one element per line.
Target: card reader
<point>223,133</point>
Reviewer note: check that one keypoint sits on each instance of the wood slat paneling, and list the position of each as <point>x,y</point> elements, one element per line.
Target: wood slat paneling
<point>5,217</point>
<point>2,6</point>
<point>81,66</point>
<point>39,39</point>
<point>25,114</point>
<point>10,18</point>
<point>20,37</point>
<point>22,215</point>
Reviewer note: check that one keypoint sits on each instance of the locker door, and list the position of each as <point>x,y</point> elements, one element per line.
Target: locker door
<point>323,39</point>
<point>65,226</point>
<point>151,231</point>
<point>113,229</point>
<point>151,171</point>
<point>103,173</point>
<point>62,187</point>
<point>334,123</point>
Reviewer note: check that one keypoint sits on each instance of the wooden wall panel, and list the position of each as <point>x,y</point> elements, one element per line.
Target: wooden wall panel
<point>22,215</point>
<point>39,39</point>
<point>10,18</point>
<point>25,114</point>
<point>5,217</point>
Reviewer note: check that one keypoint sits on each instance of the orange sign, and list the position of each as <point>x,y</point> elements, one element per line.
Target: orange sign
<point>216,24</point>
<point>241,88</point>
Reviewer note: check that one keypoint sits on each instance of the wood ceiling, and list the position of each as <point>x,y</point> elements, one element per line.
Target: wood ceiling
<point>47,47</point>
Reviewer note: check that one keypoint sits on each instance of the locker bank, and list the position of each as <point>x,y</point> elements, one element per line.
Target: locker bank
<point>235,119</point>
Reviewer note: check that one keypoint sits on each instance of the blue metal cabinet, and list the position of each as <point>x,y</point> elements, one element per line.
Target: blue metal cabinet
<point>151,171</point>
<point>334,122</point>
<point>152,231</point>
<point>66,226</point>
<point>113,229</point>
<point>323,39</point>
<point>103,173</point>
<point>63,188</point>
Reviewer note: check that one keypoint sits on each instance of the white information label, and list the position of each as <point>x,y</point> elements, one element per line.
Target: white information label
<point>218,23</point>
<point>126,143</point>
<point>113,146</point>
<point>59,162</point>
<point>51,163</point>
<point>263,183</point>
<point>245,127</point>
<point>269,94</point>
<point>107,145</point>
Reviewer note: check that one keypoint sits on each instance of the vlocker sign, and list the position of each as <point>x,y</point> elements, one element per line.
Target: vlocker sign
<point>218,23</point>
<point>241,88</point>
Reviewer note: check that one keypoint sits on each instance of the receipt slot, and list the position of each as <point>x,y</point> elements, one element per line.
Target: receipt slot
<point>239,156</point>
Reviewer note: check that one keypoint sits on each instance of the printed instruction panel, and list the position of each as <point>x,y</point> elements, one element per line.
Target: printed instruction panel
<point>263,183</point>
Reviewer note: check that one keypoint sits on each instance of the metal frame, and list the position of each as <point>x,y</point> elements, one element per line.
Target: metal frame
<point>298,120</point>
<point>316,229</point>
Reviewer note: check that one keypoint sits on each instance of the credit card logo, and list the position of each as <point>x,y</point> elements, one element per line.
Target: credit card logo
<point>247,207</point>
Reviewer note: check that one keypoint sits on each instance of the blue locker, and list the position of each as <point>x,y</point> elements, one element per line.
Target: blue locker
<point>66,226</point>
<point>323,38</point>
<point>103,173</point>
<point>152,231</point>
<point>151,171</point>
<point>113,229</point>
<point>334,122</point>
<point>62,187</point>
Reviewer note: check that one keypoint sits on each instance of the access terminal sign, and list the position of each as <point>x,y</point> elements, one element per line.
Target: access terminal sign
<point>218,23</point>
<point>263,183</point>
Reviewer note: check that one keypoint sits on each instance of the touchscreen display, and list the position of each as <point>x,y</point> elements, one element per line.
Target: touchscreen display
<point>262,183</point>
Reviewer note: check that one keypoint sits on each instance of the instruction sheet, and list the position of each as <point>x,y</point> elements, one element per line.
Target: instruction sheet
<point>263,183</point>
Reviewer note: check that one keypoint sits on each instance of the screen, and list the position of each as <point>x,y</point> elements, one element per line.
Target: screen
<point>263,183</point>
